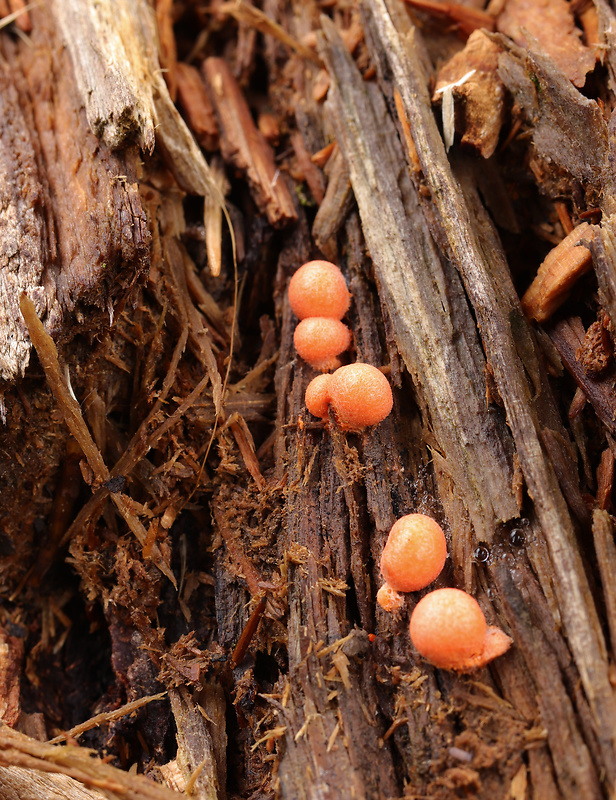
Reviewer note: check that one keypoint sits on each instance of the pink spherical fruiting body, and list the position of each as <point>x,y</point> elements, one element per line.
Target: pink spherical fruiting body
<point>415,553</point>
<point>448,629</point>
<point>360,395</point>
<point>319,340</point>
<point>318,289</point>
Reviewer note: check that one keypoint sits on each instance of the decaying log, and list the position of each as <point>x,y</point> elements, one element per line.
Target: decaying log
<point>223,544</point>
<point>442,365</point>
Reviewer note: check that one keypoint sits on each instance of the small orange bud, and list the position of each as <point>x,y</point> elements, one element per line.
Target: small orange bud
<point>360,396</point>
<point>317,395</point>
<point>318,289</point>
<point>415,553</point>
<point>318,340</point>
<point>389,599</point>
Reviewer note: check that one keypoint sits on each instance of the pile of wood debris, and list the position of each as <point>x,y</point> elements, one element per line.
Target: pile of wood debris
<point>189,560</point>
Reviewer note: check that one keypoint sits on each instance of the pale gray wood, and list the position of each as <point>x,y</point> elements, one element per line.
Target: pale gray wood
<point>435,332</point>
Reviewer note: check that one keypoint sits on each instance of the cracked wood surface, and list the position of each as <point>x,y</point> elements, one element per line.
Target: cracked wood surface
<point>504,333</point>
<point>72,229</point>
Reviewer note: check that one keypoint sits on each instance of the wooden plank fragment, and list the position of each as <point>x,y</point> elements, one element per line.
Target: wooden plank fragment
<point>603,249</point>
<point>503,329</point>
<point>73,231</point>
<point>106,42</point>
<point>337,201</point>
<point>244,145</point>
<point>167,49</point>
<point>195,757</point>
<point>603,536</point>
<point>197,107</point>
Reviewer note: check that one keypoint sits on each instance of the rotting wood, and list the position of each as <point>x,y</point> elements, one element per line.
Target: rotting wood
<point>314,615</point>
<point>569,132</point>
<point>444,367</point>
<point>337,201</point>
<point>568,337</point>
<point>551,27</point>
<point>48,356</point>
<point>131,100</point>
<point>477,90</point>
<point>106,717</point>
<point>468,19</point>
<point>498,315</point>
<point>110,67</point>
<point>330,693</point>
<point>195,758</point>
<point>48,242</point>
<point>197,107</point>
<point>603,249</point>
<point>255,18</point>
<point>603,535</point>
<point>17,750</point>
<point>17,783</point>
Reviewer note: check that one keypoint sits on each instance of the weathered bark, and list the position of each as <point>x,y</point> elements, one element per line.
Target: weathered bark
<point>73,230</point>
<point>224,545</point>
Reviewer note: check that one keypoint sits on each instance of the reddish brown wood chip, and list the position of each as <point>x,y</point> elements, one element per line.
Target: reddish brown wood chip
<point>243,145</point>
<point>595,354</point>
<point>549,24</point>
<point>312,174</point>
<point>196,106</point>
<point>561,268</point>
<point>167,51</point>
<point>605,479</point>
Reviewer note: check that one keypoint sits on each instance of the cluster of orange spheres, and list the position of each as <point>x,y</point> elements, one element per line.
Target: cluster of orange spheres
<point>447,626</point>
<point>359,394</point>
<point>319,296</point>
